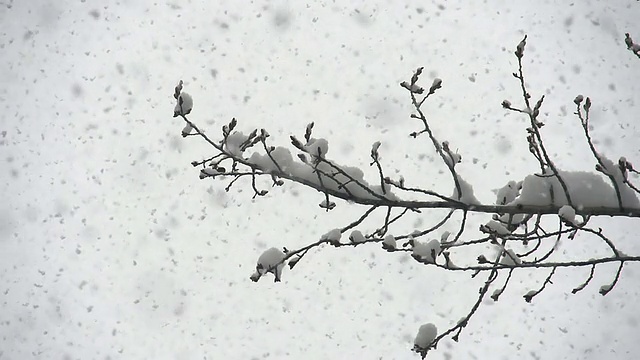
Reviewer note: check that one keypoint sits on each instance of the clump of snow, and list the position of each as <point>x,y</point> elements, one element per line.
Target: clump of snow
<point>327,204</point>
<point>270,261</point>
<point>530,294</point>
<point>495,227</point>
<point>452,159</point>
<point>333,236</point>
<point>389,242</point>
<point>427,251</point>
<point>568,214</point>
<point>604,289</point>
<point>234,142</point>
<point>314,146</point>
<point>467,192</point>
<point>426,334</point>
<point>496,293</point>
<point>209,171</point>
<point>510,258</point>
<point>627,194</point>
<point>186,130</point>
<point>435,85</point>
<point>509,220</point>
<point>354,172</point>
<point>508,193</point>
<point>184,105</point>
<point>281,155</point>
<point>388,193</point>
<point>348,180</point>
<point>356,237</point>
<point>586,189</point>
<point>414,88</point>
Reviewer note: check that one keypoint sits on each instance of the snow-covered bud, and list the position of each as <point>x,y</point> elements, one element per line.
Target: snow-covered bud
<point>271,261</point>
<point>426,334</point>
<point>356,237</point>
<point>426,252</point>
<point>207,172</point>
<point>389,243</point>
<point>414,88</point>
<point>186,130</point>
<point>622,164</point>
<point>578,99</point>
<point>529,295</point>
<point>329,205</point>
<point>605,289</point>
<point>568,214</point>
<point>184,105</point>
<point>437,84</point>
<point>333,237</point>
<point>622,160</point>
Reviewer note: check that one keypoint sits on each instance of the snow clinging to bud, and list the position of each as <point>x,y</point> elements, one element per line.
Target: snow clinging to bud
<point>389,242</point>
<point>184,105</point>
<point>271,261</point>
<point>568,214</point>
<point>356,237</point>
<point>426,334</point>
<point>427,251</point>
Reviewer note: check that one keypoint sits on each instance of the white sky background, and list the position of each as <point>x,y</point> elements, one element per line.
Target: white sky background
<point>111,247</point>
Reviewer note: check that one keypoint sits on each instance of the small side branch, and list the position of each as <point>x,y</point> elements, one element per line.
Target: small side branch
<point>531,294</point>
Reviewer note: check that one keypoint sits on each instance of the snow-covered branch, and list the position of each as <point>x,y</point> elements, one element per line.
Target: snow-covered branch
<point>528,219</point>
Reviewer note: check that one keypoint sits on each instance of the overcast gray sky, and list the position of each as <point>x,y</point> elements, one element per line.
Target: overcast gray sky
<point>112,248</point>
